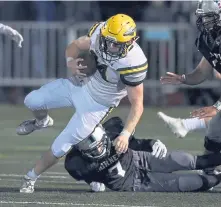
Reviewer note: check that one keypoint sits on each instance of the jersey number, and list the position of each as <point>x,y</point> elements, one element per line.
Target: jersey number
<point>101,68</point>
<point>118,168</point>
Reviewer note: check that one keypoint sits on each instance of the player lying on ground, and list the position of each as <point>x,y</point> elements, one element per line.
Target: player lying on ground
<point>95,160</point>
<point>208,43</point>
<point>121,69</point>
<point>12,33</point>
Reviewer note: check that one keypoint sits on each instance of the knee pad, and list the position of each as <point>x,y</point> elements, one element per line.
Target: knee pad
<point>212,145</point>
<point>183,159</point>
<point>190,183</point>
<point>61,150</point>
<point>34,101</point>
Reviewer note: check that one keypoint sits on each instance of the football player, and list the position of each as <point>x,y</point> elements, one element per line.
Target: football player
<point>121,70</point>
<point>12,33</point>
<point>95,160</point>
<point>208,43</point>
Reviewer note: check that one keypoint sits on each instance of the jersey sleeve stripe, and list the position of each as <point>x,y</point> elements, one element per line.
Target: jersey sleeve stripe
<point>135,69</point>
<point>92,29</point>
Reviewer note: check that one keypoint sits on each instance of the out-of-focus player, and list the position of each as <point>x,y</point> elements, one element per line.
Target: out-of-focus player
<point>121,70</point>
<point>208,43</point>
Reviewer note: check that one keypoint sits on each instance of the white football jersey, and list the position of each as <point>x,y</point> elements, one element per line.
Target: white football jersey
<point>108,85</point>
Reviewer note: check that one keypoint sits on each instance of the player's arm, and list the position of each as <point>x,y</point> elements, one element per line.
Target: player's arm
<point>141,144</point>
<point>74,49</point>
<point>200,74</point>
<point>133,78</point>
<point>203,71</point>
<point>156,147</point>
<point>72,52</point>
<point>135,96</point>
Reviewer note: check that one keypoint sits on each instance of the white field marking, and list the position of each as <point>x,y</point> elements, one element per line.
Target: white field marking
<point>9,162</point>
<point>55,173</point>
<point>42,176</point>
<point>45,181</point>
<point>68,204</point>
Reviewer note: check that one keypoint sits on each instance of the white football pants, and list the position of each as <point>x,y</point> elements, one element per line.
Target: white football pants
<point>62,93</point>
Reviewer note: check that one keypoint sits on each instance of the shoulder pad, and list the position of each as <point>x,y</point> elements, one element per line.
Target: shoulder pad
<point>134,62</point>
<point>94,28</point>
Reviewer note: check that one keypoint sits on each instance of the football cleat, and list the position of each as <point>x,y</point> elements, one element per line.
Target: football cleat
<point>29,126</point>
<point>175,124</point>
<point>27,185</point>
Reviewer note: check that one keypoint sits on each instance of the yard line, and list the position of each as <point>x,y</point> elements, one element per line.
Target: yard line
<point>45,181</point>
<point>9,162</point>
<point>55,173</point>
<point>68,204</point>
<point>42,176</point>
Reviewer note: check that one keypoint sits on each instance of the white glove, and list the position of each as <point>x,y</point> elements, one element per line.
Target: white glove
<point>97,187</point>
<point>17,37</point>
<point>14,34</point>
<point>159,150</point>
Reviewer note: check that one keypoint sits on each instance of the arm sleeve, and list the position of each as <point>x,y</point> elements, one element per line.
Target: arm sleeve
<point>133,76</point>
<point>141,144</point>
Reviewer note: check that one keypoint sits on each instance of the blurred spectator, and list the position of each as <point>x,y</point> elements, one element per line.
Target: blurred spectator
<point>82,11</point>
<point>131,8</point>
<point>157,11</point>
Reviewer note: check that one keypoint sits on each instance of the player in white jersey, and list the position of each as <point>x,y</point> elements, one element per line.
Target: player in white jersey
<point>14,34</point>
<point>121,70</point>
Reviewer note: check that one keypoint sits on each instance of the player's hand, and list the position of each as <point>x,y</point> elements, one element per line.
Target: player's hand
<point>17,37</point>
<point>171,78</point>
<point>159,150</point>
<point>76,68</point>
<point>121,144</point>
<point>204,112</point>
<point>97,187</point>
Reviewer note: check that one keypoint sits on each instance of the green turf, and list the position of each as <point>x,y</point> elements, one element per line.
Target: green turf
<point>18,153</point>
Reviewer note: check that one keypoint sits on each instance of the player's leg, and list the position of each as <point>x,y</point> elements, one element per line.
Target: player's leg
<point>180,127</point>
<point>175,161</point>
<point>55,94</point>
<point>172,182</point>
<point>212,141</point>
<point>213,135</point>
<point>89,114</point>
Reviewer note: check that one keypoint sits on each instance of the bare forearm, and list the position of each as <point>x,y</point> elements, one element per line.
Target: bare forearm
<point>203,71</point>
<point>72,50</point>
<point>194,78</point>
<point>133,118</point>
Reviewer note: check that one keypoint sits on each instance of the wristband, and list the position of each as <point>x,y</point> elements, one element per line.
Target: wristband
<point>183,78</point>
<point>125,133</point>
<point>217,105</point>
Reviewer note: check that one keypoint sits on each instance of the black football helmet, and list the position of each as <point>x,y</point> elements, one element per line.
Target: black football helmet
<point>208,22</point>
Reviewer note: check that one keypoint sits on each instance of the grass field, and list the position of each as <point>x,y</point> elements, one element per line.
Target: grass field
<point>56,188</point>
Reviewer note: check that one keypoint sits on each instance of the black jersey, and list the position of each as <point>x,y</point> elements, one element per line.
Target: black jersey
<point>116,172</point>
<point>212,56</point>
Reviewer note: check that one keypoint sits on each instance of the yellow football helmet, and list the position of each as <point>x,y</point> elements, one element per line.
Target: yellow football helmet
<point>117,36</point>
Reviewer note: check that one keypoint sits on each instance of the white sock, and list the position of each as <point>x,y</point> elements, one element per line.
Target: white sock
<point>193,124</point>
<point>43,122</point>
<point>32,174</point>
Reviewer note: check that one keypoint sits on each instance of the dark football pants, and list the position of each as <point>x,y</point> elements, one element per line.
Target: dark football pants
<point>156,175</point>
<point>213,135</point>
